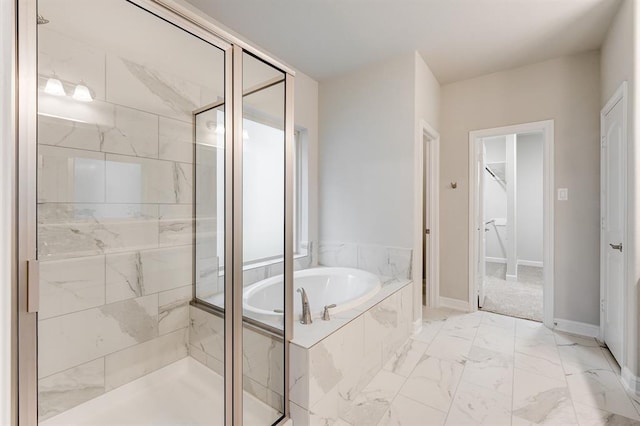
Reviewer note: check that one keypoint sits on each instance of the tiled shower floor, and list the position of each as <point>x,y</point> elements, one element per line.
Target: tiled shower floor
<point>183,393</point>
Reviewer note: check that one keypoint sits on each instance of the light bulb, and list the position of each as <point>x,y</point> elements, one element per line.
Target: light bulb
<point>54,87</point>
<point>82,93</point>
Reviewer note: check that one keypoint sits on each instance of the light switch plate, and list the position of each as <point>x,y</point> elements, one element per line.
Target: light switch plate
<point>563,194</point>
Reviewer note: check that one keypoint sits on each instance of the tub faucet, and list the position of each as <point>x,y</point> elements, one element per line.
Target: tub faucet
<point>325,314</point>
<point>306,312</point>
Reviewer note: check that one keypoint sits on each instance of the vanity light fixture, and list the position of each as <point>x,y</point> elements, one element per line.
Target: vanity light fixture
<point>54,87</point>
<point>82,93</point>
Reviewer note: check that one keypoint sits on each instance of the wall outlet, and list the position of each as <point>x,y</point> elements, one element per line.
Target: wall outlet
<point>563,194</point>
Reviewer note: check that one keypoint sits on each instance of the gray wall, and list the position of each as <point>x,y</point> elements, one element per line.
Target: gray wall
<point>566,90</point>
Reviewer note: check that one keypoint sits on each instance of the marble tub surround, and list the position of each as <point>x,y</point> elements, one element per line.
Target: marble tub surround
<point>115,219</point>
<point>263,356</point>
<point>307,335</point>
<point>538,377</point>
<point>381,260</point>
<point>331,379</point>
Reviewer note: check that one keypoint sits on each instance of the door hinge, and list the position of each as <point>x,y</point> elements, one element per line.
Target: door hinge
<point>602,223</point>
<point>427,231</point>
<point>602,305</point>
<point>603,141</point>
<point>33,286</point>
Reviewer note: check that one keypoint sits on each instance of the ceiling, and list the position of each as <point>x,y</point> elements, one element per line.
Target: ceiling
<point>458,39</point>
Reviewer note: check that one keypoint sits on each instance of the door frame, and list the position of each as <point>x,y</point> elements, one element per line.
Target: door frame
<point>620,95</point>
<point>425,130</point>
<point>475,137</point>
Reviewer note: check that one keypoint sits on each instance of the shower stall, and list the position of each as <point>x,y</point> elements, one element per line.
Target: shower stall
<point>155,169</point>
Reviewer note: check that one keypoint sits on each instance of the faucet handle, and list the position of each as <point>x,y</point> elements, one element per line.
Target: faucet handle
<point>325,313</point>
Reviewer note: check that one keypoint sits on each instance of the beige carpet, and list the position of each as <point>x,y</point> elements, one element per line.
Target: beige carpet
<point>522,299</point>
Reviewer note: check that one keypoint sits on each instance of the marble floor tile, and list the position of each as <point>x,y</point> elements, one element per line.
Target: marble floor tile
<point>540,348</point>
<point>489,369</point>
<point>368,406</point>
<point>429,331</point>
<point>495,338</point>
<point>584,356</point>
<point>406,358</point>
<point>544,367</point>
<point>601,389</point>
<point>591,416</point>
<point>540,400</point>
<point>450,347</point>
<point>407,412</point>
<point>496,320</point>
<point>476,405</point>
<point>433,382</point>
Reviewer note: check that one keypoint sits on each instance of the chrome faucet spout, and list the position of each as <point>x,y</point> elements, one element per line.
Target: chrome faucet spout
<point>305,318</point>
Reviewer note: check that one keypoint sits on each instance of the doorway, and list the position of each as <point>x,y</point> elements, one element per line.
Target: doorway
<point>511,221</point>
<point>426,236</point>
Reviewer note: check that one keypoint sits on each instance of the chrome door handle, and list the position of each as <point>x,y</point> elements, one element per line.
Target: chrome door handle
<point>616,247</point>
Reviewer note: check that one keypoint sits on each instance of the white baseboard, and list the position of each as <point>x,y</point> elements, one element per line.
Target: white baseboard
<point>575,327</point>
<point>417,326</point>
<point>631,381</point>
<point>530,263</point>
<point>459,305</point>
<point>495,259</point>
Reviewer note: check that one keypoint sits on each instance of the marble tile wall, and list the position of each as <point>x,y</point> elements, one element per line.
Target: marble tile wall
<point>262,356</point>
<point>381,260</point>
<point>327,379</point>
<point>115,207</point>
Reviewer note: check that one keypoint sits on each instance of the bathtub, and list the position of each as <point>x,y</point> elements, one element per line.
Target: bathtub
<point>344,287</point>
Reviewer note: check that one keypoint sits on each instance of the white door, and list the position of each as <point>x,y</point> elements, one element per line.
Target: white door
<point>481,224</point>
<point>613,226</point>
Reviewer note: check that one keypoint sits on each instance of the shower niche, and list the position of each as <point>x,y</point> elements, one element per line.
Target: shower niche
<point>163,165</point>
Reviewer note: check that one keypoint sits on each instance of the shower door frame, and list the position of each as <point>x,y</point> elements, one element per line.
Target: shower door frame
<point>24,316</point>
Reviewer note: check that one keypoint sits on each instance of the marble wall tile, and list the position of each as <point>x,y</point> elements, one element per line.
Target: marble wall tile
<point>380,322</point>
<point>140,273</point>
<point>71,285</point>
<point>143,180</point>
<point>299,375</point>
<point>136,361</point>
<point>253,275</point>
<point>331,359</point>
<point>359,377</point>
<point>148,89</point>
<point>299,415</point>
<point>134,132</point>
<point>338,254</point>
<point>70,340</point>
<point>70,175</point>
<point>176,140</point>
<point>263,360</point>
<point>83,134</point>
<point>385,261</point>
<point>208,280</point>
<point>173,309</point>
<point>62,391</point>
<point>175,224</point>
<point>75,230</point>
<point>206,332</point>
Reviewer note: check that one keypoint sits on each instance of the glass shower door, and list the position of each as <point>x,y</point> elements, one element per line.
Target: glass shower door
<point>118,342</point>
